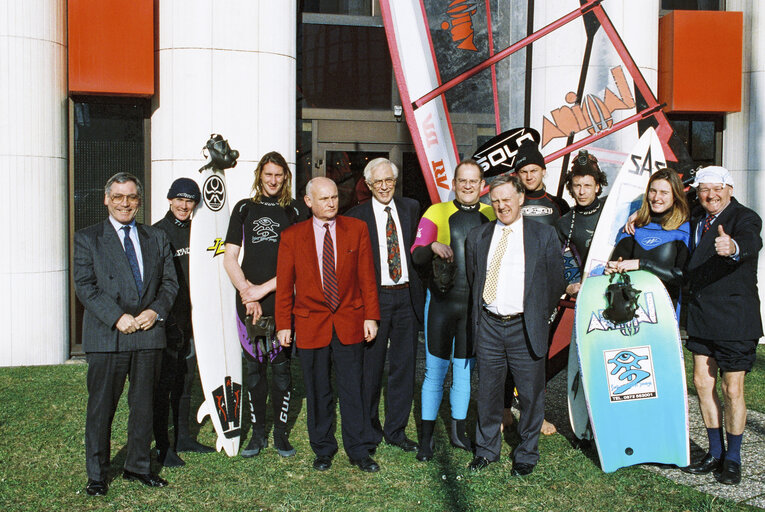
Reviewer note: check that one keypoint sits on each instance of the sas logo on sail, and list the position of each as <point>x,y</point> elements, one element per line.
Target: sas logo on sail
<point>460,24</point>
<point>592,114</point>
<point>645,314</point>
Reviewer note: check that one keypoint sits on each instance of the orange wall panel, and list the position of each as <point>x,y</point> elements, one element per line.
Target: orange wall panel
<point>700,61</point>
<point>111,47</point>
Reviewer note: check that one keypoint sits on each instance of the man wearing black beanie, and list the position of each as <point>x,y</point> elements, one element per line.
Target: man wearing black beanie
<point>173,388</point>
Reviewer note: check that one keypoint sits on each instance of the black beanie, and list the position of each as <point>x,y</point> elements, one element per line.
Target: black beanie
<point>185,188</point>
<point>529,153</point>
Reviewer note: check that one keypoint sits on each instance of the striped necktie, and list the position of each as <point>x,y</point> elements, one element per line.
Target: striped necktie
<point>132,259</point>
<point>331,294</point>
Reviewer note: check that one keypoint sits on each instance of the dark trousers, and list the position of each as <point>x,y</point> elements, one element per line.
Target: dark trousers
<point>499,346</point>
<point>399,324</point>
<point>106,379</point>
<point>317,374</point>
<point>172,392</point>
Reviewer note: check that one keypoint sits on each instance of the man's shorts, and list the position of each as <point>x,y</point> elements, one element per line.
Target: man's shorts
<point>730,356</point>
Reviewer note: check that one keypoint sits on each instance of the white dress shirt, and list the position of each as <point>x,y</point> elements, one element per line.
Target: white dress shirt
<point>512,270</point>
<point>381,220</point>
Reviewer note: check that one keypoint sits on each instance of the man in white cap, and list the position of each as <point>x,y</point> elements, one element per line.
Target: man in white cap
<point>724,321</point>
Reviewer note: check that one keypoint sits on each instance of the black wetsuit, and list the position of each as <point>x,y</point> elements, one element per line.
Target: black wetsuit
<point>179,362</point>
<point>257,226</point>
<point>576,227</point>
<point>542,207</point>
<point>661,252</point>
<point>446,314</point>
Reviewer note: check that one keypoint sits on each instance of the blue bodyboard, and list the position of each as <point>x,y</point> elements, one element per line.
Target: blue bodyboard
<point>633,376</point>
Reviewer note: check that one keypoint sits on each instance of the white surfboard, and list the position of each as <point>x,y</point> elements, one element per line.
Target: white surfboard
<point>624,198</point>
<point>213,315</point>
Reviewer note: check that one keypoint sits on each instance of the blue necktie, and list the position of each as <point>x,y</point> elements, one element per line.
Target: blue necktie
<point>132,259</point>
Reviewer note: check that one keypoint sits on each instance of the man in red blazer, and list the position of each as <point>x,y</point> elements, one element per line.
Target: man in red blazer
<point>325,277</point>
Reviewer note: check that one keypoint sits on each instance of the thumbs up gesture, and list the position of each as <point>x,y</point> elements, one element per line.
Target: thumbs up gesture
<point>724,243</point>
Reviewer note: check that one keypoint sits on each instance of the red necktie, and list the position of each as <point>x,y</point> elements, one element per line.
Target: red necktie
<point>707,224</point>
<point>391,239</point>
<point>331,295</point>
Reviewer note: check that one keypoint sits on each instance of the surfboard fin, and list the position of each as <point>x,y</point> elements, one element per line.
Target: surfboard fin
<point>204,410</point>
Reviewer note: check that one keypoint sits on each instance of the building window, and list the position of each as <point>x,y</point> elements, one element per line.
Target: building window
<point>108,138</point>
<point>702,135</point>
<point>345,67</point>
<point>353,7</point>
<point>691,5</point>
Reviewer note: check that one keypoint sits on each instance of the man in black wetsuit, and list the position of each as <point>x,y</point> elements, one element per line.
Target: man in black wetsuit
<point>585,182</point>
<point>542,207</point>
<point>440,242</point>
<point>256,225</point>
<point>179,361</point>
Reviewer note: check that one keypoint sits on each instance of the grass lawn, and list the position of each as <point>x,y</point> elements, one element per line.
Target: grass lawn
<point>42,422</point>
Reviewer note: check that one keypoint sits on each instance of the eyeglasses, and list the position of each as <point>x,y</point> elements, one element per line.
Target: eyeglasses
<point>119,198</point>
<point>707,190</point>
<point>388,182</point>
<point>465,181</point>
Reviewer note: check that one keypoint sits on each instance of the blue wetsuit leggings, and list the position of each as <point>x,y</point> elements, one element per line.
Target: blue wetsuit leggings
<point>445,329</point>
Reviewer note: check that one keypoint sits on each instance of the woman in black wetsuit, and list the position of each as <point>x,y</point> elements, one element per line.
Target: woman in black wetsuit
<point>662,234</point>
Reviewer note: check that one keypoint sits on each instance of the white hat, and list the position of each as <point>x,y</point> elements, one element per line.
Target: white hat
<point>713,174</point>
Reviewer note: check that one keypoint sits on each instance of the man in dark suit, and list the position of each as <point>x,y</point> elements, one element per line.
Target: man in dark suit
<point>125,278</point>
<point>515,271</point>
<point>392,224</point>
<point>724,323</point>
<point>326,280</point>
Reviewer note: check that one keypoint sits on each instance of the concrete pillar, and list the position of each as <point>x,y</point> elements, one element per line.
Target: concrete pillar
<point>557,61</point>
<point>33,183</point>
<point>225,68</point>
<point>744,135</point>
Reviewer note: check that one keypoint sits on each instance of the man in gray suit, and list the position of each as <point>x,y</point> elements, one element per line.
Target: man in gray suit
<point>124,276</point>
<point>515,271</point>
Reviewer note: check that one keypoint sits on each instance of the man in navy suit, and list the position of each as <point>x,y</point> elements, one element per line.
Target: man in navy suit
<point>125,277</point>
<point>515,271</point>
<point>392,224</point>
<point>724,323</point>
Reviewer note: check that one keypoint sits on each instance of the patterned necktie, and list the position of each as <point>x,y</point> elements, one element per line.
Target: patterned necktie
<point>492,278</point>
<point>132,259</point>
<point>331,295</point>
<point>707,224</point>
<point>391,239</point>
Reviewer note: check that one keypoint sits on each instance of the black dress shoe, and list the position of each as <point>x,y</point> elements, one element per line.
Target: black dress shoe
<point>731,473</point>
<point>478,463</point>
<point>405,444</point>
<point>96,488</point>
<point>322,463</point>
<point>704,466</point>
<point>522,469</point>
<point>366,464</point>
<point>148,479</point>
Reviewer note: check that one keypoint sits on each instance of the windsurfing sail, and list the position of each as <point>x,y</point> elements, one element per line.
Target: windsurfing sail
<point>465,75</point>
